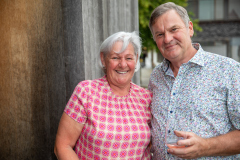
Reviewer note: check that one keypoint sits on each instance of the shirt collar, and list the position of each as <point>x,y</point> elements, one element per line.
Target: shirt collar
<point>198,58</point>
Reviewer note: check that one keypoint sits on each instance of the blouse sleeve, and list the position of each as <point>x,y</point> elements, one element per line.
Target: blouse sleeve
<point>76,106</point>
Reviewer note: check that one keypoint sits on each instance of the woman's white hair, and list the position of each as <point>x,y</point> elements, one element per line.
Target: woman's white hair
<point>126,38</point>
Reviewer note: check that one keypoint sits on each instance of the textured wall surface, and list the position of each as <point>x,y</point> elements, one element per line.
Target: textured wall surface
<point>32,77</point>
<point>46,48</point>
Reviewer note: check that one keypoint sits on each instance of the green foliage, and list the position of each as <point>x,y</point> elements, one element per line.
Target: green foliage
<point>196,27</point>
<point>145,9</point>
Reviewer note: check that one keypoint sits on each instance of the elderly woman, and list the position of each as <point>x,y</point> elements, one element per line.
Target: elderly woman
<point>107,118</point>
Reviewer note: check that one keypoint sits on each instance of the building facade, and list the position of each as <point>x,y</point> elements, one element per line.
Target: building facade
<point>220,21</point>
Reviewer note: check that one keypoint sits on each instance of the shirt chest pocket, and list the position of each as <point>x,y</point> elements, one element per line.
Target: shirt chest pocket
<point>216,95</point>
<point>212,104</point>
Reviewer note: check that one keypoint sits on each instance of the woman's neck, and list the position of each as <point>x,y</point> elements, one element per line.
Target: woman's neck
<point>120,90</point>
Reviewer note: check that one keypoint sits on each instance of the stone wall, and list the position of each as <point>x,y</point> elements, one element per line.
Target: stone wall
<point>46,48</point>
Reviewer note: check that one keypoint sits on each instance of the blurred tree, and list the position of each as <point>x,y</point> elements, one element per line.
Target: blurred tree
<point>145,9</point>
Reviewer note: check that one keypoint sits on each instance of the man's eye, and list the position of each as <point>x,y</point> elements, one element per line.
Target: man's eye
<point>114,57</point>
<point>174,29</point>
<point>159,35</point>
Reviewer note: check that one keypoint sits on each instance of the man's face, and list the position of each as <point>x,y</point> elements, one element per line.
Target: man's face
<point>172,37</point>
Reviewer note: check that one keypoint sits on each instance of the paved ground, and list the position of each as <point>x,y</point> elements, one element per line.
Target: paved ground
<point>145,74</point>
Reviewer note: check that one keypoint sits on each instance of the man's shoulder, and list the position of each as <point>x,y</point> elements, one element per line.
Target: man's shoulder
<point>157,76</point>
<point>213,58</point>
<point>159,67</point>
<point>219,59</point>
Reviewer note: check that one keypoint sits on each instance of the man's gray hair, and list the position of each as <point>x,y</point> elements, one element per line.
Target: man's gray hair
<point>163,8</point>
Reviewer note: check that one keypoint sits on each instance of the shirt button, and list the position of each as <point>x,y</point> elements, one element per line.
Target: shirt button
<point>174,94</point>
<point>171,111</point>
<point>169,131</point>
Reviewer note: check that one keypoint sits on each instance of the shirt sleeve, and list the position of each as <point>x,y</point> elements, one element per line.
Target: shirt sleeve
<point>233,101</point>
<point>76,106</point>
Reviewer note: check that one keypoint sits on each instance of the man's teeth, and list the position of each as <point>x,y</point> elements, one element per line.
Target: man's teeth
<point>122,72</point>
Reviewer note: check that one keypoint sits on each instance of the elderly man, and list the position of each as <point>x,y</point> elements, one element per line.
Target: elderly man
<point>191,84</point>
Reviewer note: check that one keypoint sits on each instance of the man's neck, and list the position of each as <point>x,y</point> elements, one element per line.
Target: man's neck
<point>175,69</point>
<point>175,65</point>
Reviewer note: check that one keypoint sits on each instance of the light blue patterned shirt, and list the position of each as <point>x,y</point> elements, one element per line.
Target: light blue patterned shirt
<point>206,92</point>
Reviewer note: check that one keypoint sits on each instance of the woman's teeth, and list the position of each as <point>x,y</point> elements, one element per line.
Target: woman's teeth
<point>122,72</point>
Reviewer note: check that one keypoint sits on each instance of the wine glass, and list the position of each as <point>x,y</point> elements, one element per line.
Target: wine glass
<point>175,124</point>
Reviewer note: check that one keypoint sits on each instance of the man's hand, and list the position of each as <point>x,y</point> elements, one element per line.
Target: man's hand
<point>195,146</point>
<point>222,145</point>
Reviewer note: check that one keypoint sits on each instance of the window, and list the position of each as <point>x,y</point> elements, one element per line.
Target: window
<point>214,9</point>
<point>219,9</point>
<point>233,9</point>
<point>206,9</point>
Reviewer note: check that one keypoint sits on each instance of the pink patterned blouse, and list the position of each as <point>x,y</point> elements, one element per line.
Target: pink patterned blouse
<point>116,127</point>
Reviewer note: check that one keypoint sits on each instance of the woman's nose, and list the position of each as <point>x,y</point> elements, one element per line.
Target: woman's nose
<point>123,63</point>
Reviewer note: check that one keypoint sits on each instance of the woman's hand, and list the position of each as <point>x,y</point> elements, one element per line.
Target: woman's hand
<point>67,135</point>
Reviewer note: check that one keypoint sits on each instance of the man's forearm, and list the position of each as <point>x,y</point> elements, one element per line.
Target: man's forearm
<point>224,145</point>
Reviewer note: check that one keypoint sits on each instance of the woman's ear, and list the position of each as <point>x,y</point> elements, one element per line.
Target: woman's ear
<point>137,58</point>
<point>102,59</point>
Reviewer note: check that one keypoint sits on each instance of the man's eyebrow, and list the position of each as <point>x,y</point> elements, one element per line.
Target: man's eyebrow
<point>177,26</point>
<point>157,32</point>
<point>174,26</point>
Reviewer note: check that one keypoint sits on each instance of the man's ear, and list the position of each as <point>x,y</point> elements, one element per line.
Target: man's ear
<point>102,59</point>
<point>190,27</point>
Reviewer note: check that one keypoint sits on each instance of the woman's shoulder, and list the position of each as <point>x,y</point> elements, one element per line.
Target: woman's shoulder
<point>87,85</point>
<point>140,90</point>
<point>94,82</point>
<point>143,95</point>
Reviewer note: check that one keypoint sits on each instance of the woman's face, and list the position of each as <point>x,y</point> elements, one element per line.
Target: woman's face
<point>120,67</point>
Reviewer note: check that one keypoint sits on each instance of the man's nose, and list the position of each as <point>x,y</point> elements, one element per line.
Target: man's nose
<point>168,37</point>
